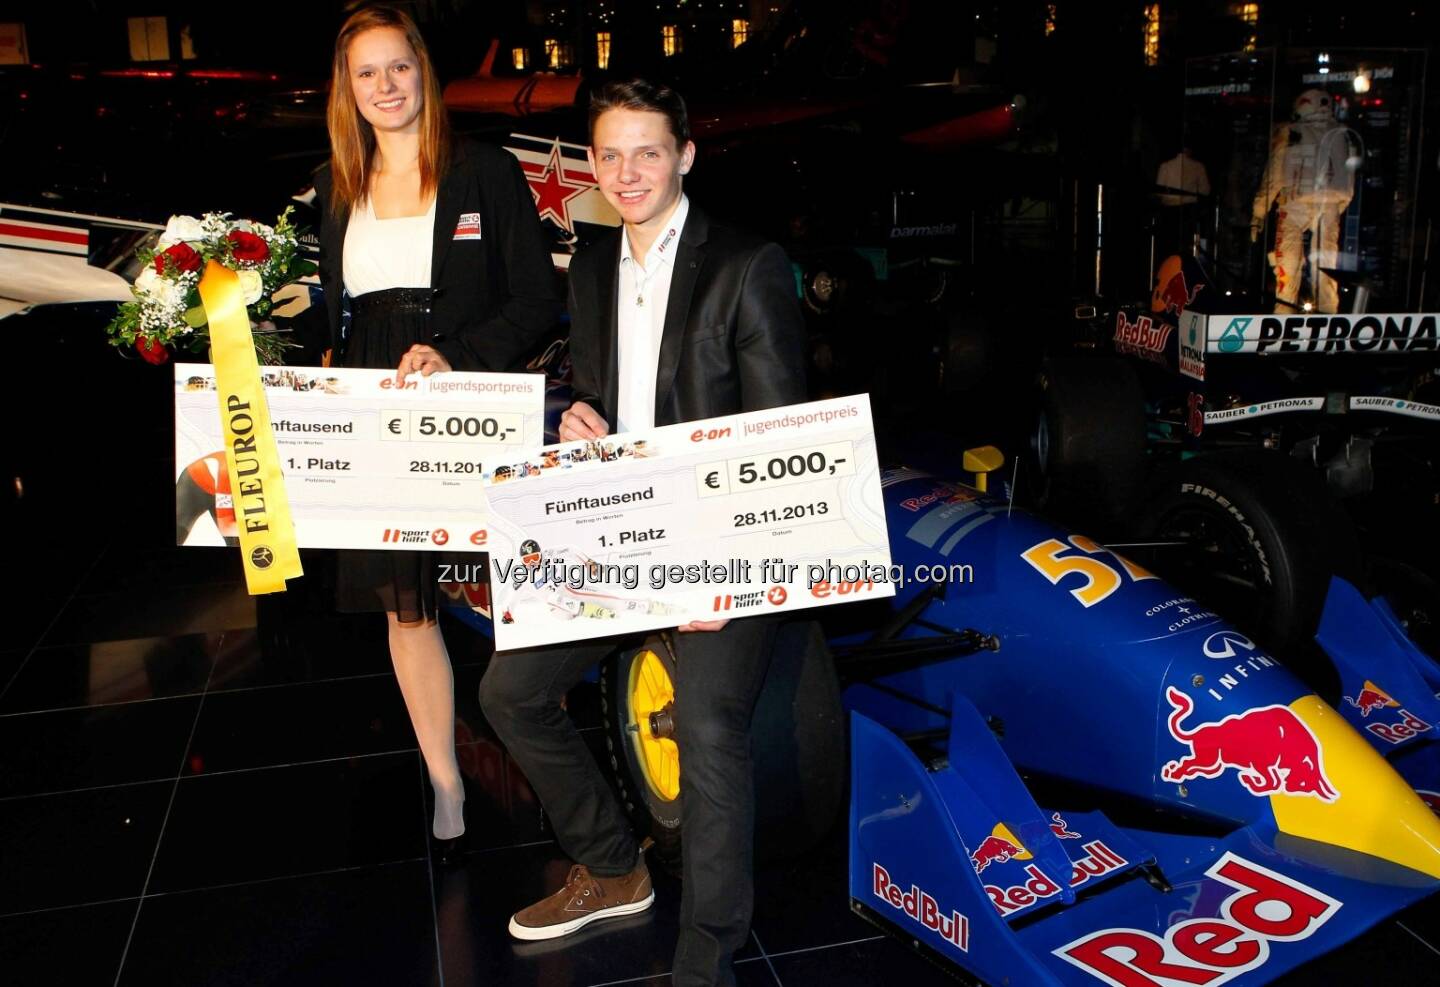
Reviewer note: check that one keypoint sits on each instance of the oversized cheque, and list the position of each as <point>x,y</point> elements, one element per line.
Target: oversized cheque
<point>725,518</point>
<point>366,464</point>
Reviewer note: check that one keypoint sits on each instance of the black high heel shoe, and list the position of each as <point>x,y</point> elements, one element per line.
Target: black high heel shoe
<point>450,853</point>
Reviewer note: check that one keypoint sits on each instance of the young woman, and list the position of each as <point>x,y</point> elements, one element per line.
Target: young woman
<point>436,245</point>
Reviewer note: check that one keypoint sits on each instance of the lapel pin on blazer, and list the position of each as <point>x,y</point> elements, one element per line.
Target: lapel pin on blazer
<point>468,228</point>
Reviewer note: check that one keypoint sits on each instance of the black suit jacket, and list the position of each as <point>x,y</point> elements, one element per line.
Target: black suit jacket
<point>734,339</point>
<point>496,296</point>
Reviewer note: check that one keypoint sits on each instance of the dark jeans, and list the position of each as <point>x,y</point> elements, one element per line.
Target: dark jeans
<point>718,678</point>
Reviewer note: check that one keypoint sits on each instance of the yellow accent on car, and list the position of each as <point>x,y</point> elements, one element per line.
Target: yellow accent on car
<point>1376,811</point>
<point>1003,831</point>
<point>981,461</point>
<point>651,691</point>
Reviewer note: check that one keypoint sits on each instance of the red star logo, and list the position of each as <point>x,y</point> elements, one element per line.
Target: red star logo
<point>552,190</point>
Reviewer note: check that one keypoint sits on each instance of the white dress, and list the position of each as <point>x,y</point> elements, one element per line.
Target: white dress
<point>387,253</point>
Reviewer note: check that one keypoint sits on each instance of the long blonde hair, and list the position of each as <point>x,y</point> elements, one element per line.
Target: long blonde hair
<point>352,139</point>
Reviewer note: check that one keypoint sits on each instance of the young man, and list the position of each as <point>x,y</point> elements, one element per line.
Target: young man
<point>673,318</point>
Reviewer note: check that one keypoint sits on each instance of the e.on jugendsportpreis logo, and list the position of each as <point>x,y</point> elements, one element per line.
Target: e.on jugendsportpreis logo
<point>1265,908</point>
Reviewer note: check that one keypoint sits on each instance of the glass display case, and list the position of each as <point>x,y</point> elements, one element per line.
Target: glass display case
<point>1298,177</point>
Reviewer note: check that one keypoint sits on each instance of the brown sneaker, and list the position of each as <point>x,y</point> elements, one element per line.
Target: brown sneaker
<point>585,898</point>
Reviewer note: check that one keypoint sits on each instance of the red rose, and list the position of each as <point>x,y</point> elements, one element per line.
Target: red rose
<point>151,351</point>
<point>248,246</point>
<point>182,256</point>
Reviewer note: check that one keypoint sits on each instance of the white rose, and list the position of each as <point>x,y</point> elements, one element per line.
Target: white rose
<point>181,229</point>
<point>146,281</point>
<point>252,285</point>
<point>170,294</point>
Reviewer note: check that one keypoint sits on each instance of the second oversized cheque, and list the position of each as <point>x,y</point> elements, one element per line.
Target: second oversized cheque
<point>366,464</point>
<point>721,518</point>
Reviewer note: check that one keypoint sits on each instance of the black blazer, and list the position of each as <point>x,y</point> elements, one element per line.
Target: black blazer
<point>496,296</point>
<point>734,338</point>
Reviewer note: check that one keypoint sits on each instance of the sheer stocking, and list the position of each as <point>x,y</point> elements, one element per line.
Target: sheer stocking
<point>422,667</point>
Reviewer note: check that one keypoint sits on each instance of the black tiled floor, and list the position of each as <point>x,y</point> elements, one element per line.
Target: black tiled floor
<point>112,672</point>
<point>183,610</point>
<point>310,722</point>
<point>367,926</point>
<point>46,947</point>
<point>23,626</point>
<point>122,568</point>
<point>473,906</point>
<point>804,903</point>
<point>10,662</point>
<point>100,745</point>
<point>868,961</point>
<point>78,847</point>
<point>307,650</point>
<point>278,822</point>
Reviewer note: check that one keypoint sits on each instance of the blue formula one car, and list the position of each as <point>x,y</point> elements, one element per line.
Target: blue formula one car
<point>1207,818</point>
<point>1190,812</point>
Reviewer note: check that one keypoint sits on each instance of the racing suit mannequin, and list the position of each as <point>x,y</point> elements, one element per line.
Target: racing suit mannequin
<point>1310,178</point>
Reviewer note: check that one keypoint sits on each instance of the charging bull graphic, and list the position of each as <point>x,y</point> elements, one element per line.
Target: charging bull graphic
<point>993,850</point>
<point>1173,293</point>
<point>1271,748</point>
<point>1060,828</point>
<point>1371,698</point>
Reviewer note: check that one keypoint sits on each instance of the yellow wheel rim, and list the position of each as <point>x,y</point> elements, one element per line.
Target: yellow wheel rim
<point>651,691</point>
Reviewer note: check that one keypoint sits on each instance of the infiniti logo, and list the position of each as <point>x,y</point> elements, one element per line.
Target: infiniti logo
<point>1222,644</point>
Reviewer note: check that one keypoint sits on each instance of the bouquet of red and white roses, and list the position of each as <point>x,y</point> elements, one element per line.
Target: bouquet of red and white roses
<point>167,313</point>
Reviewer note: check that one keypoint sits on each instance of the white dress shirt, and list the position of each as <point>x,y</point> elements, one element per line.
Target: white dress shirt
<point>640,320</point>
<point>387,253</point>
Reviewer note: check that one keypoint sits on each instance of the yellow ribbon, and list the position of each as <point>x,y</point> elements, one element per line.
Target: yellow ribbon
<point>262,512</point>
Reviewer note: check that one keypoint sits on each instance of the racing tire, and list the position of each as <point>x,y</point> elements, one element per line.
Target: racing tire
<point>1087,450</point>
<point>1264,538</point>
<point>798,744</point>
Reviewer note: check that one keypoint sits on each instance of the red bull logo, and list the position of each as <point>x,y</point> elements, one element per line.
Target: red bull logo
<point>1060,829</point>
<point>1408,727</point>
<point>1144,337</point>
<point>922,908</point>
<point>947,494</point>
<point>1098,861</point>
<point>1176,295</point>
<point>1371,698</point>
<point>994,850</point>
<point>1265,908</point>
<point>1271,748</point>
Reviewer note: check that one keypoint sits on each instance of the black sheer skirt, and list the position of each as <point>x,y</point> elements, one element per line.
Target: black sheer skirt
<point>383,326</point>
